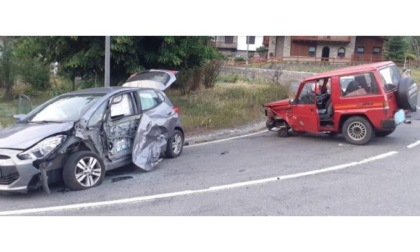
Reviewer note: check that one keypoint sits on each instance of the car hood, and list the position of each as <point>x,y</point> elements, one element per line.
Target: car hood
<point>157,79</point>
<point>281,103</point>
<point>23,136</point>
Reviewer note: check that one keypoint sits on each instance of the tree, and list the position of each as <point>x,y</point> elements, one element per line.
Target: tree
<point>8,67</point>
<point>396,48</point>
<point>84,56</point>
<point>415,46</point>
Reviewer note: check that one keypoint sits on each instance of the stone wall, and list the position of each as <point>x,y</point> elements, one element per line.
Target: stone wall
<point>281,76</point>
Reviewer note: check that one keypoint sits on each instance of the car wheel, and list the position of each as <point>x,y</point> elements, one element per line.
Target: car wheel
<point>175,145</point>
<point>384,133</point>
<point>357,130</point>
<point>83,170</point>
<point>283,132</point>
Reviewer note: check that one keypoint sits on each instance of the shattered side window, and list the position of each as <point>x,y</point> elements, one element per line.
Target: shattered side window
<point>96,118</point>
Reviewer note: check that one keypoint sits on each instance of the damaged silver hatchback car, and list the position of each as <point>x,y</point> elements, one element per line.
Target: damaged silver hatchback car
<point>78,136</point>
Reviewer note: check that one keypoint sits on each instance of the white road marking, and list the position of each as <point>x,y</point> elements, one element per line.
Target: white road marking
<point>190,192</point>
<point>225,139</point>
<point>413,144</point>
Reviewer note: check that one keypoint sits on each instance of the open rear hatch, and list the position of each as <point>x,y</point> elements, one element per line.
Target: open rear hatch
<point>157,79</point>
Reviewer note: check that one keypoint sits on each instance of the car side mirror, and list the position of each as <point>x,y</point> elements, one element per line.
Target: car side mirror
<point>18,117</point>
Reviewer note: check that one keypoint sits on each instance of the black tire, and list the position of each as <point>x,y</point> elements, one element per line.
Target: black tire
<point>407,94</point>
<point>357,130</point>
<point>384,133</point>
<point>175,145</point>
<point>76,178</point>
<point>283,132</point>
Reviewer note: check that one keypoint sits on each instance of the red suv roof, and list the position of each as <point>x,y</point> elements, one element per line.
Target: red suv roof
<point>349,70</point>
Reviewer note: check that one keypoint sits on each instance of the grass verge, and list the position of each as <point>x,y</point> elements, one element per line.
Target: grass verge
<point>226,105</point>
<point>415,73</point>
<point>10,108</point>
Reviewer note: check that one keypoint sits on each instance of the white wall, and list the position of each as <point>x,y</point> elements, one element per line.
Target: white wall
<point>242,43</point>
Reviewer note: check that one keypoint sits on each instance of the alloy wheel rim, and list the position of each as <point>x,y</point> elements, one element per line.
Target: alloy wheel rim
<point>88,171</point>
<point>357,131</point>
<point>177,144</point>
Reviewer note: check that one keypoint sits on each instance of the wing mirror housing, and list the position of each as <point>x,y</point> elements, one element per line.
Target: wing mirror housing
<point>19,117</point>
<point>292,101</point>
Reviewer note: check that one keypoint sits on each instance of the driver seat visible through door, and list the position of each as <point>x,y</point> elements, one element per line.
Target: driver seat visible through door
<point>326,113</point>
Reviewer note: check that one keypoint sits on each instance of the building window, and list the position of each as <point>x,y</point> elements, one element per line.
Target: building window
<point>341,52</point>
<point>229,39</point>
<point>360,50</point>
<point>311,51</point>
<point>376,50</point>
<point>251,40</point>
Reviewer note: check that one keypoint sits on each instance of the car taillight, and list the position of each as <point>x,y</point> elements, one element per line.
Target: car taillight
<point>176,110</point>
<point>386,105</point>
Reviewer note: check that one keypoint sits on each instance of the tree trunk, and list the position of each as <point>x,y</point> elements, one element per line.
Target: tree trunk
<point>8,96</point>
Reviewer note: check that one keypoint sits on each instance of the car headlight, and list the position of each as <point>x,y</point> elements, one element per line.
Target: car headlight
<point>43,148</point>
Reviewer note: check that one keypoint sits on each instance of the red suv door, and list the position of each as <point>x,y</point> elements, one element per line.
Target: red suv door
<point>304,111</point>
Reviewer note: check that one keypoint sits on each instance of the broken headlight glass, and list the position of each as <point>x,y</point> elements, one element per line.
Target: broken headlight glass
<point>43,148</point>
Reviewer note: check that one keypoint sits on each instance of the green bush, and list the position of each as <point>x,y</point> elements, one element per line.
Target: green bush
<point>35,73</point>
<point>262,49</point>
<point>210,72</point>
<point>60,85</point>
<point>239,59</point>
<point>188,80</point>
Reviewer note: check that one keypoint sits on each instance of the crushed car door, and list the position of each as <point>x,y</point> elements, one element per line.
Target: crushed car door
<point>120,126</point>
<point>147,144</point>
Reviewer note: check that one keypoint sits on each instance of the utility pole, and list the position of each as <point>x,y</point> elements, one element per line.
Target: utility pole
<point>247,49</point>
<point>107,60</point>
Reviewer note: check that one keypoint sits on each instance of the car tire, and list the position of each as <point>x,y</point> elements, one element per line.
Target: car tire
<point>283,132</point>
<point>83,170</point>
<point>175,145</point>
<point>357,130</point>
<point>407,94</point>
<point>384,133</point>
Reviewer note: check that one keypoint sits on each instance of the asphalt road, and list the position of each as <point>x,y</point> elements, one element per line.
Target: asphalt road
<point>259,174</point>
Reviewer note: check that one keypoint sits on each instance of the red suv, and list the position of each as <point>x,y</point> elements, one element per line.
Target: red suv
<point>359,101</point>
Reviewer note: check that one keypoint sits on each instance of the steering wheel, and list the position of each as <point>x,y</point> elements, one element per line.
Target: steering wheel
<point>321,98</point>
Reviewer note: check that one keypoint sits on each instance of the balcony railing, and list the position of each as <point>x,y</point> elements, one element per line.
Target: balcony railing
<point>366,57</point>
<point>224,45</point>
<point>346,39</point>
<point>354,59</point>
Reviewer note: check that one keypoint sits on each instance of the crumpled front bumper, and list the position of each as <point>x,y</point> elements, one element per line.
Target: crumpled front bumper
<point>15,174</point>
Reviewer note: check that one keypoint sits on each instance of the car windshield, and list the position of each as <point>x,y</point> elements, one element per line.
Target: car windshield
<point>390,77</point>
<point>66,108</point>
